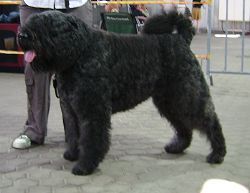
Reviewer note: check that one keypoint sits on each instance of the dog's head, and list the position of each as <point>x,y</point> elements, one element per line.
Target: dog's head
<point>52,41</point>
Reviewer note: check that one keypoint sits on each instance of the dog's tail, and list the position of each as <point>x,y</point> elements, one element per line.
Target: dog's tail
<point>169,23</point>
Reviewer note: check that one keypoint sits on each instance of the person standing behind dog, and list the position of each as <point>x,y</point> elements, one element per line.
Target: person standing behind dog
<point>196,13</point>
<point>111,8</point>
<point>139,13</point>
<point>179,6</point>
<point>166,8</point>
<point>38,84</point>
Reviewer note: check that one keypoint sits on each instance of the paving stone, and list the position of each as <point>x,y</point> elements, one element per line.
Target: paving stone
<point>63,174</point>
<point>28,155</point>
<point>67,190</point>
<point>39,173</point>
<point>77,180</point>
<point>5,183</point>
<point>52,181</point>
<point>40,189</point>
<point>102,180</point>
<point>117,188</point>
<point>91,188</point>
<point>16,175</point>
<point>39,161</point>
<point>5,168</point>
<point>8,155</point>
<point>12,190</point>
<point>25,184</point>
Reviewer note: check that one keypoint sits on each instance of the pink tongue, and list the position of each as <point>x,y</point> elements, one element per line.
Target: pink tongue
<point>29,56</point>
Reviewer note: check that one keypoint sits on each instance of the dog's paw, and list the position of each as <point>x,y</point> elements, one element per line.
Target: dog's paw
<point>215,158</point>
<point>68,155</point>
<point>177,145</point>
<point>82,171</point>
<point>175,148</point>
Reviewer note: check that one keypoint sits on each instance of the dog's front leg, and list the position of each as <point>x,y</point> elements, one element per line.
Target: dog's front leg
<point>71,130</point>
<point>94,138</point>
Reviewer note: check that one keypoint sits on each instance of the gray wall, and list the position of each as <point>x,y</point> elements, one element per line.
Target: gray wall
<point>216,24</point>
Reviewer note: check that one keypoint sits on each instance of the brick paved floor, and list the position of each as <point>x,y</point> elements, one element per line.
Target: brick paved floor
<point>136,162</point>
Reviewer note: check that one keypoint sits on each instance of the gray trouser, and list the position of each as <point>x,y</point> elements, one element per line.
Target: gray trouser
<point>38,84</point>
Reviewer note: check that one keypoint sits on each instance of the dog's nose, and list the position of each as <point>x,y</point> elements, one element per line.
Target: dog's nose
<point>22,35</point>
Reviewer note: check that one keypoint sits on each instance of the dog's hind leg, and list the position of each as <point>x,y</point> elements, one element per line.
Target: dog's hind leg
<point>181,140</point>
<point>183,133</point>
<point>94,138</point>
<point>212,128</point>
<point>71,131</point>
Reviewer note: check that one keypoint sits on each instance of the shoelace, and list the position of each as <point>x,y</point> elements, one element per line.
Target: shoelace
<point>24,137</point>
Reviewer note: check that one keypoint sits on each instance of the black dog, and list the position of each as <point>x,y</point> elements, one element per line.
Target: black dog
<point>101,73</point>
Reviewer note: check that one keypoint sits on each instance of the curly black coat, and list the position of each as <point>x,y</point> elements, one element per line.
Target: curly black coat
<point>101,73</point>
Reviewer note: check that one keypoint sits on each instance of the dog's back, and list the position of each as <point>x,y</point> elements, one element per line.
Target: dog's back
<point>170,23</point>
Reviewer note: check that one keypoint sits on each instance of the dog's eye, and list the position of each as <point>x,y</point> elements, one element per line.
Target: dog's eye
<point>23,36</point>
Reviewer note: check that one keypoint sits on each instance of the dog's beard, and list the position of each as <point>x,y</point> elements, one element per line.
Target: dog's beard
<point>35,53</point>
<point>38,66</point>
<point>43,61</point>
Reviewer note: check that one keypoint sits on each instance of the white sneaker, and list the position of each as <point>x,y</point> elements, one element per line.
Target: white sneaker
<point>22,142</point>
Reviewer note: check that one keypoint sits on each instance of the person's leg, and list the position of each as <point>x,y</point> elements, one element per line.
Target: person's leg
<point>38,103</point>
<point>84,12</point>
<point>38,95</point>
<point>196,15</point>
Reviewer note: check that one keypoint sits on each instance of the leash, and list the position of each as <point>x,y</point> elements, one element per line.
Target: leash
<point>54,81</point>
<point>66,4</point>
